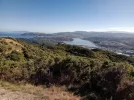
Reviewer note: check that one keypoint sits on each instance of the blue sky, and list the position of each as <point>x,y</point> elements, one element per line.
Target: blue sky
<point>66,15</point>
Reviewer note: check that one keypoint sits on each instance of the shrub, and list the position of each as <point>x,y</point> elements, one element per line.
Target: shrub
<point>16,56</point>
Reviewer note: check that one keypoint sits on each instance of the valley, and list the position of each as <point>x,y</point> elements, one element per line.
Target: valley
<point>118,42</point>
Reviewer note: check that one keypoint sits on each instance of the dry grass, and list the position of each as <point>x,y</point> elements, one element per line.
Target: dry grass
<point>30,92</point>
<point>12,45</point>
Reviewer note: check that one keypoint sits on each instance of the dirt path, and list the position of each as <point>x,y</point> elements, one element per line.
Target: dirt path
<point>36,93</point>
<point>16,95</point>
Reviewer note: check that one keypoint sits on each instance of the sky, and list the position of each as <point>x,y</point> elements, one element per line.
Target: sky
<point>66,15</point>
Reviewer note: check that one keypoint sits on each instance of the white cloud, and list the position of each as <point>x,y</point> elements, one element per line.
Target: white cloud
<point>126,29</point>
<point>122,29</point>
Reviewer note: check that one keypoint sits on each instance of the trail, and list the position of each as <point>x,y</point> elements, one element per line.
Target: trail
<point>16,95</point>
<point>47,94</point>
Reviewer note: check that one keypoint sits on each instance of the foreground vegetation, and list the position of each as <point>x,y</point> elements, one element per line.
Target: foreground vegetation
<point>92,74</point>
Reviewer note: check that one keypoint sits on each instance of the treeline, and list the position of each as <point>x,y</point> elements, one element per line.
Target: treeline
<point>93,74</point>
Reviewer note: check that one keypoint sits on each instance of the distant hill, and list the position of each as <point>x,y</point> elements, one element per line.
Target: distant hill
<point>84,34</point>
<point>32,34</point>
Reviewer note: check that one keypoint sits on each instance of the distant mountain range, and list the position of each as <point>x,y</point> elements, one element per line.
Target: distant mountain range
<point>82,34</point>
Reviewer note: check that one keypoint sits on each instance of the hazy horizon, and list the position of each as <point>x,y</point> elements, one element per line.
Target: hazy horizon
<point>21,32</point>
<point>50,16</point>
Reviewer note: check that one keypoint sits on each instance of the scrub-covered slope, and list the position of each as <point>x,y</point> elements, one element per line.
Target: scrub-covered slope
<point>92,74</point>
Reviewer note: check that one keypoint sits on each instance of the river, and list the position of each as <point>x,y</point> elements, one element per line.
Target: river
<point>81,42</point>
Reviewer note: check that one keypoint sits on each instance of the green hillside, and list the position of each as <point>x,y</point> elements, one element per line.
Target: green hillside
<point>92,74</point>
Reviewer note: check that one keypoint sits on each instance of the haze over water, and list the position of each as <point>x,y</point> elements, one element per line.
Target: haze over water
<point>13,35</point>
